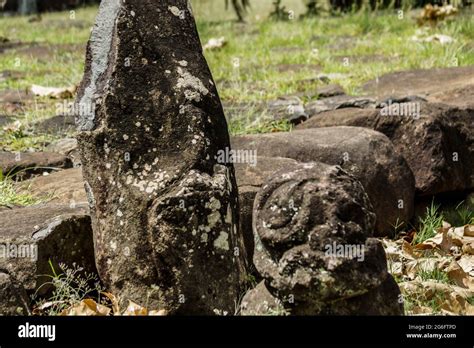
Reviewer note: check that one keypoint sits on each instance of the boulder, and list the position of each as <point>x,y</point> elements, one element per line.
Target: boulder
<point>164,209</point>
<point>462,97</point>
<point>338,102</point>
<point>27,164</point>
<point>383,300</point>
<point>63,146</point>
<point>330,90</point>
<point>313,226</point>
<point>367,154</point>
<point>437,142</point>
<point>61,125</point>
<point>31,237</point>
<point>428,83</point>
<point>288,108</point>
<point>66,147</point>
<point>63,187</point>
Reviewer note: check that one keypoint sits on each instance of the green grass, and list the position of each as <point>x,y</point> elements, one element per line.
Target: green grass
<point>436,275</point>
<point>429,224</point>
<point>275,58</point>
<point>462,214</point>
<point>420,300</point>
<point>20,136</point>
<point>69,287</point>
<point>11,197</point>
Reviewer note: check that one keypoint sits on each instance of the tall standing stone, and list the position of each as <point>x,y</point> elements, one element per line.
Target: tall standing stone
<point>165,212</point>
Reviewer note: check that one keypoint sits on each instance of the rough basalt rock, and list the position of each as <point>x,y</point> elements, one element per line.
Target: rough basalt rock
<point>63,187</point>
<point>32,237</point>
<point>438,143</point>
<point>383,300</point>
<point>25,165</point>
<point>165,212</point>
<point>367,154</point>
<point>429,83</point>
<point>313,226</point>
<point>259,301</point>
<point>13,297</point>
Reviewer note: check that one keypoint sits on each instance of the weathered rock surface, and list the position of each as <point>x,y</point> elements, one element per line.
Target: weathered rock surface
<point>30,237</point>
<point>58,125</point>
<point>27,164</point>
<point>68,148</point>
<point>165,212</point>
<point>438,143</point>
<point>63,146</point>
<point>289,108</point>
<point>313,227</point>
<point>429,83</point>
<point>259,301</point>
<point>462,97</point>
<point>383,300</point>
<point>338,102</point>
<point>330,90</point>
<point>367,154</point>
<point>250,179</point>
<point>63,187</point>
<point>13,297</point>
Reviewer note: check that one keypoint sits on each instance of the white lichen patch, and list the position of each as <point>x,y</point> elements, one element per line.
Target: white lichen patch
<point>213,204</point>
<point>175,11</point>
<point>193,87</point>
<point>222,242</point>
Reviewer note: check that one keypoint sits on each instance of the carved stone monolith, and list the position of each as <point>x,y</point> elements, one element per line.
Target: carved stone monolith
<point>164,211</point>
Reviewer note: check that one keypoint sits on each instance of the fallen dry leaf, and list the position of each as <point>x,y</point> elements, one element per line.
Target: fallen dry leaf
<point>114,301</point>
<point>469,231</point>
<point>134,309</point>
<point>459,277</point>
<point>87,307</point>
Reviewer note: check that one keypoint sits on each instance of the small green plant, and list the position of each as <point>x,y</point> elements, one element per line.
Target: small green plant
<point>462,214</point>
<point>9,195</point>
<point>398,226</point>
<point>470,300</point>
<point>420,300</point>
<point>435,274</point>
<point>429,224</point>
<point>70,288</point>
